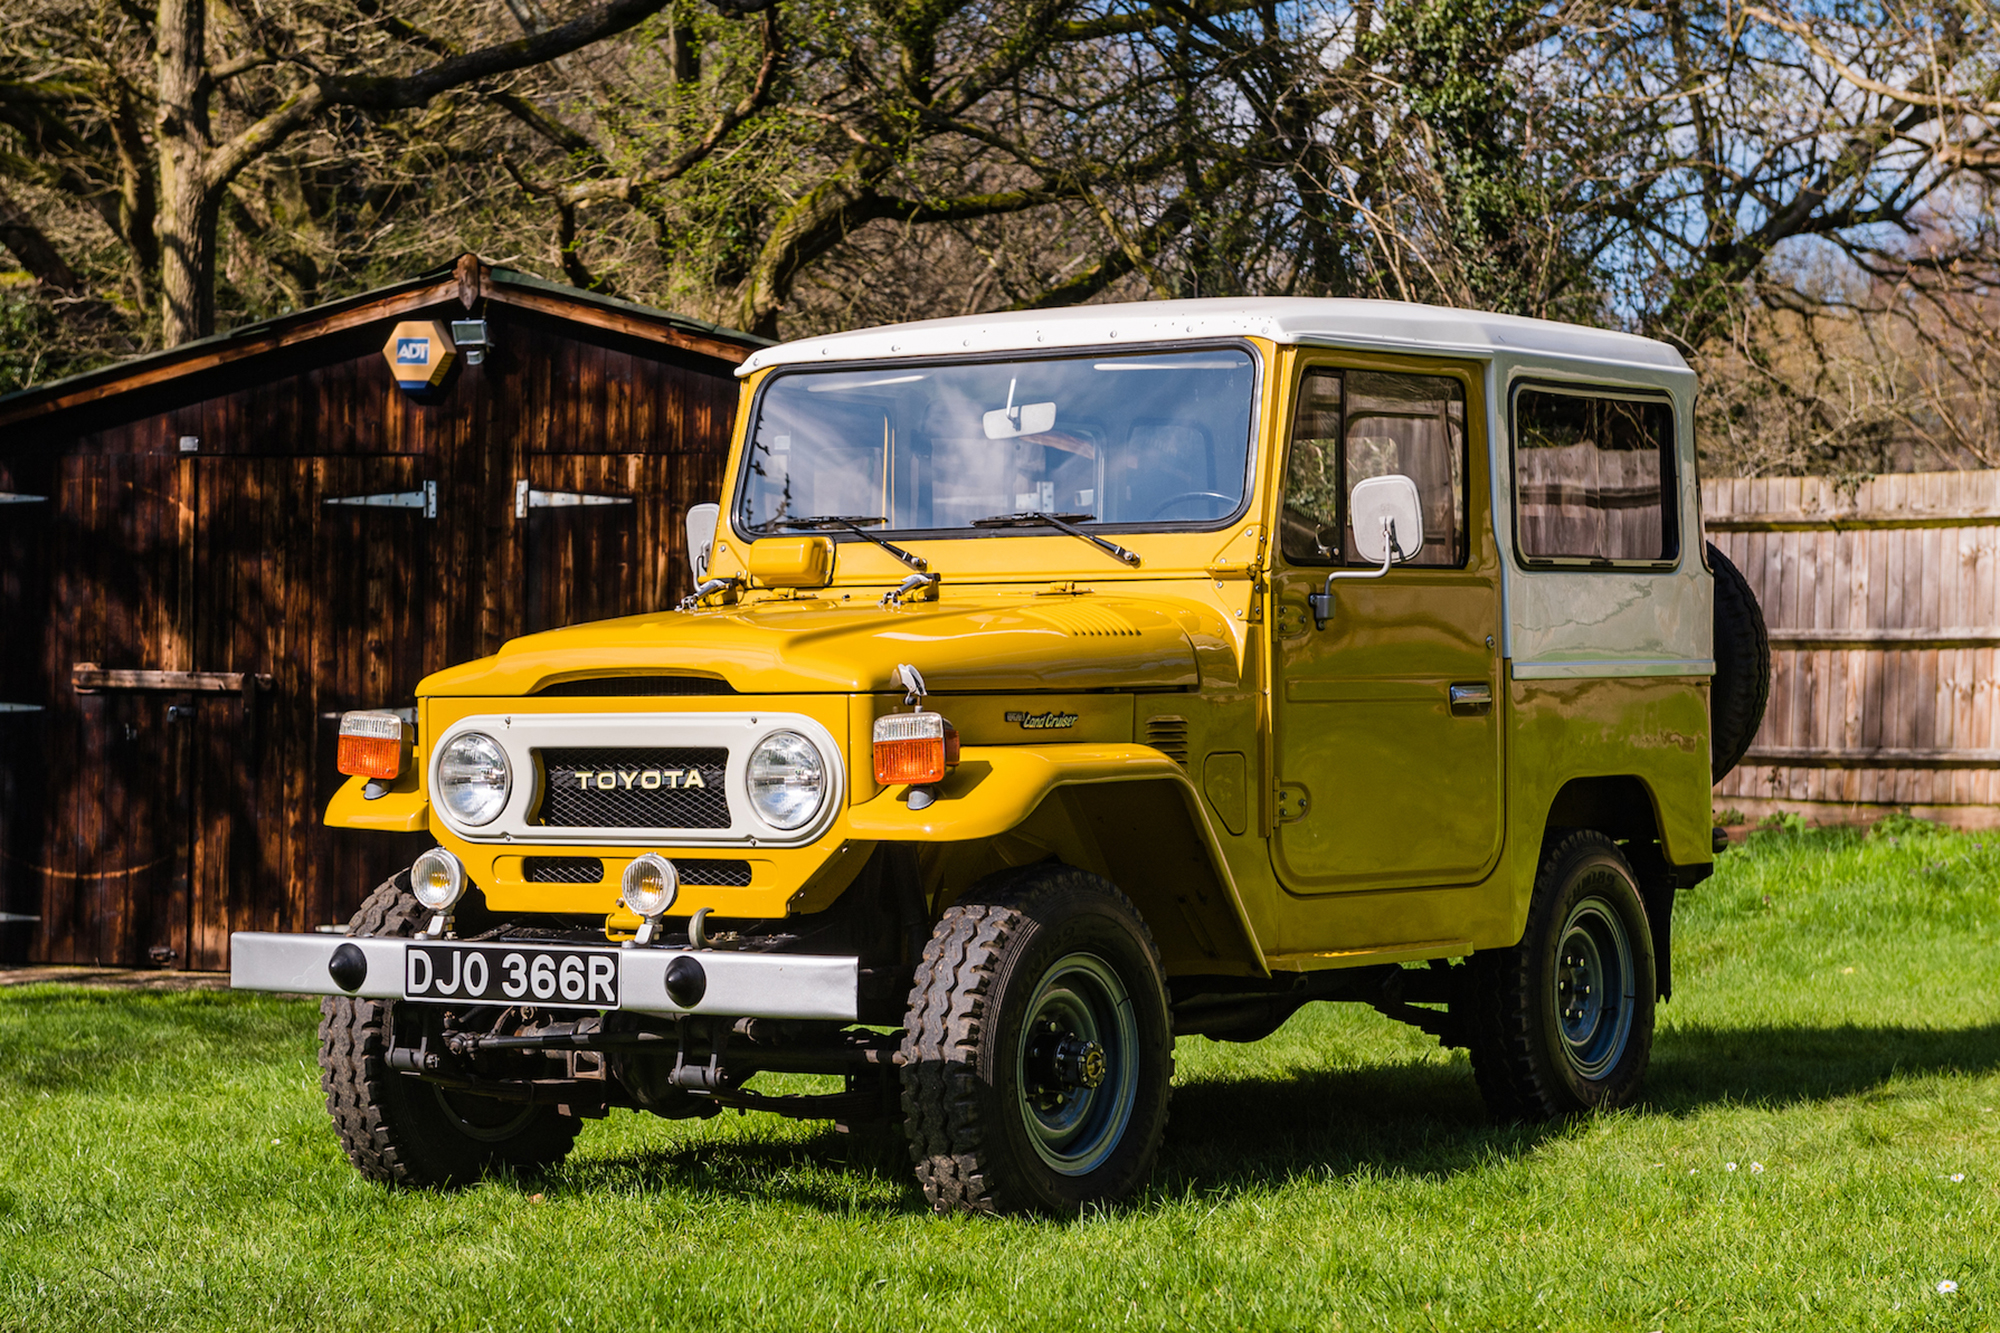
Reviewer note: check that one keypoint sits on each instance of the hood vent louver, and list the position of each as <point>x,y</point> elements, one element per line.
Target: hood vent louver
<point>599,687</point>
<point>1168,735</point>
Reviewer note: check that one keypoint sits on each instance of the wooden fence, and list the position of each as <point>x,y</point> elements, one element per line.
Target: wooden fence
<point>1884,610</point>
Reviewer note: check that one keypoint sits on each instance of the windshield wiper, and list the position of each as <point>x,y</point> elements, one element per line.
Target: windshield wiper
<point>854,525</point>
<point>1035,518</point>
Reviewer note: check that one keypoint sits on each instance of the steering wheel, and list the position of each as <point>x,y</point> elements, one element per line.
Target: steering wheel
<point>1172,500</point>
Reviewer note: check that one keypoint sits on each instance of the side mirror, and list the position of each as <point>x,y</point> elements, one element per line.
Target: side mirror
<point>1388,519</point>
<point>1387,508</point>
<point>702,520</point>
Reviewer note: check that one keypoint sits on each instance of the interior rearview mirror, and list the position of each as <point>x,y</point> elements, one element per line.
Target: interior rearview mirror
<point>1017,419</point>
<point>1005,423</point>
<point>1383,509</point>
<point>702,520</point>
<point>1387,516</point>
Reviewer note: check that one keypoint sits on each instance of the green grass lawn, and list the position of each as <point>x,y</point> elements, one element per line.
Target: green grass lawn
<point>1819,1148</point>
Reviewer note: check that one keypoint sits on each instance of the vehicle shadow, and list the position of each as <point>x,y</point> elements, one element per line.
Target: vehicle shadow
<point>1426,1118</point>
<point>1244,1135</point>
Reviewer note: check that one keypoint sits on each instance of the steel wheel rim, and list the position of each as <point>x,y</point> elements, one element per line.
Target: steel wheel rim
<point>1079,1003</point>
<point>1594,993</point>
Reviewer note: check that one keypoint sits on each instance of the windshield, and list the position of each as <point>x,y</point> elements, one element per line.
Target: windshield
<point>1156,439</point>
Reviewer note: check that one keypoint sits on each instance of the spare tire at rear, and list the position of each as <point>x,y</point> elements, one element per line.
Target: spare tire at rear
<point>1742,683</point>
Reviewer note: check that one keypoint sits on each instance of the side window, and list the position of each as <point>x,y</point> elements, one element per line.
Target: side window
<point>1311,519</point>
<point>1415,425</point>
<point>1358,424</point>
<point>1594,477</point>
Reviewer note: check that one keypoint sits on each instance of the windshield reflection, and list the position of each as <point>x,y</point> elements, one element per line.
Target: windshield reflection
<point>1159,439</point>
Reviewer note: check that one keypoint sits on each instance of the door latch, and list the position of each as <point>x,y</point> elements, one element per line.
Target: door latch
<point>1474,700</point>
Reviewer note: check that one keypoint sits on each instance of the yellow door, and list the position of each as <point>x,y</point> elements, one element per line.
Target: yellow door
<point>1387,755</point>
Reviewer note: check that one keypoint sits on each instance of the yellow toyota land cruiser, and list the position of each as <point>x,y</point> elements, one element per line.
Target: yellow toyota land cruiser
<point>1057,684</point>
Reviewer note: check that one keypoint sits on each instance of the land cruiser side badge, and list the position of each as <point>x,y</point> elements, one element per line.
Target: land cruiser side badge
<point>1043,721</point>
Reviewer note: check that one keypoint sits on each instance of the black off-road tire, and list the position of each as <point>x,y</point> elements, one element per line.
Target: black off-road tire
<point>975,1108</point>
<point>1742,683</point>
<point>1531,1065</point>
<point>396,1127</point>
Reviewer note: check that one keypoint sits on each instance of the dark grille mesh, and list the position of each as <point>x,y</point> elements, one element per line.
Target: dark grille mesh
<point>567,802</point>
<point>564,870</point>
<point>722,874</point>
<point>605,686</point>
<point>590,870</point>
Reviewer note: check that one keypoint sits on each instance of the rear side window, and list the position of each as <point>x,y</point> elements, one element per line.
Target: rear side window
<point>1594,477</point>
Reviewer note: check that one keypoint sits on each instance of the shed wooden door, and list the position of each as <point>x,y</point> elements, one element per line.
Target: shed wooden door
<point>27,506</point>
<point>317,572</point>
<point>104,778</point>
<point>605,536</point>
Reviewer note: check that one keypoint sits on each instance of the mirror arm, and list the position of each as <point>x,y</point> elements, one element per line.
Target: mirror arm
<point>1321,602</point>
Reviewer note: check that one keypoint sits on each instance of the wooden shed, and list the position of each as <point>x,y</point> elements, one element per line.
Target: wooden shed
<point>207,554</point>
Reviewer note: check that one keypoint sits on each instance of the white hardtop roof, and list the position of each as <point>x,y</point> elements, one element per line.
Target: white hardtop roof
<point>1322,322</point>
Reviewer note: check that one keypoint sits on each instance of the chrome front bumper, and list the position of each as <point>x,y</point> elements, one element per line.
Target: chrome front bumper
<point>738,985</point>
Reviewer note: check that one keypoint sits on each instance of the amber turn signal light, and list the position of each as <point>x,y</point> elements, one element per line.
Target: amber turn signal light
<point>373,744</point>
<point>917,748</point>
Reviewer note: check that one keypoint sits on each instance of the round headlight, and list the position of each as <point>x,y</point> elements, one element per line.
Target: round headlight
<point>473,778</point>
<point>787,779</point>
<point>438,879</point>
<point>650,884</point>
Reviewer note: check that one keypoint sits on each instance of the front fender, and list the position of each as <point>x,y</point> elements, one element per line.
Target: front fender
<point>1125,810</point>
<point>996,787</point>
<point>404,808</point>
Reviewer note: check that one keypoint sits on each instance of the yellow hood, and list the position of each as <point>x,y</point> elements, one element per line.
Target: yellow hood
<point>966,643</point>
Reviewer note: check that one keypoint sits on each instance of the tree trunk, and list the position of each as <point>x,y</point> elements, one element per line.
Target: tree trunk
<point>807,230</point>
<point>189,202</point>
<point>187,256</point>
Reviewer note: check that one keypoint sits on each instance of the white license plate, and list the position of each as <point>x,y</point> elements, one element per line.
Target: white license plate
<point>511,974</point>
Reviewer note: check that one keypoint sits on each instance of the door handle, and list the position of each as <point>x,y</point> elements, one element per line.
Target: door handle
<point>1475,700</point>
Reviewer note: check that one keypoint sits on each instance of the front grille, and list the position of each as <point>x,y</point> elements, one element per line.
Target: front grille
<point>598,687</point>
<point>590,870</point>
<point>615,794</point>
<point>715,874</point>
<point>564,870</point>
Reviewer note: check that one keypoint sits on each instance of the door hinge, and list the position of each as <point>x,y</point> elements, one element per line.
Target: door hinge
<point>1292,803</point>
<point>20,708</point>
<point>14,498</point>
<point>527,497</point>
<point>425,499</point>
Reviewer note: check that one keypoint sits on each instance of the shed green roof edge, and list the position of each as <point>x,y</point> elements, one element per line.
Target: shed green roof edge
<point>505,277</point>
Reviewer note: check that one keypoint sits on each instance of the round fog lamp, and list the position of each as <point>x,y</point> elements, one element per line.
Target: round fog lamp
<point>787,779</point>
<point>438,879</point>
<point>474,778</point>
<point>650,884</point>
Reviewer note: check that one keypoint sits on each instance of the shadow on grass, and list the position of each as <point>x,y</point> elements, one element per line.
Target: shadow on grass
<point>1781,1065</point>
<point>866,1172</point>
<point>1228,1135</point>
<point>1243,1135</point>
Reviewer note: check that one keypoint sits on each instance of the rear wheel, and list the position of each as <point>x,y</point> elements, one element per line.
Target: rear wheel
<point>399,1128</point>
<point>1037,1056</point>
<point>1563,1021</point>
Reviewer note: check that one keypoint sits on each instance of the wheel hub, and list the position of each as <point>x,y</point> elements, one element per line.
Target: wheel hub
<point>1078,1064</point>
<point>1594,979</point>
<point>1059,1062</point>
